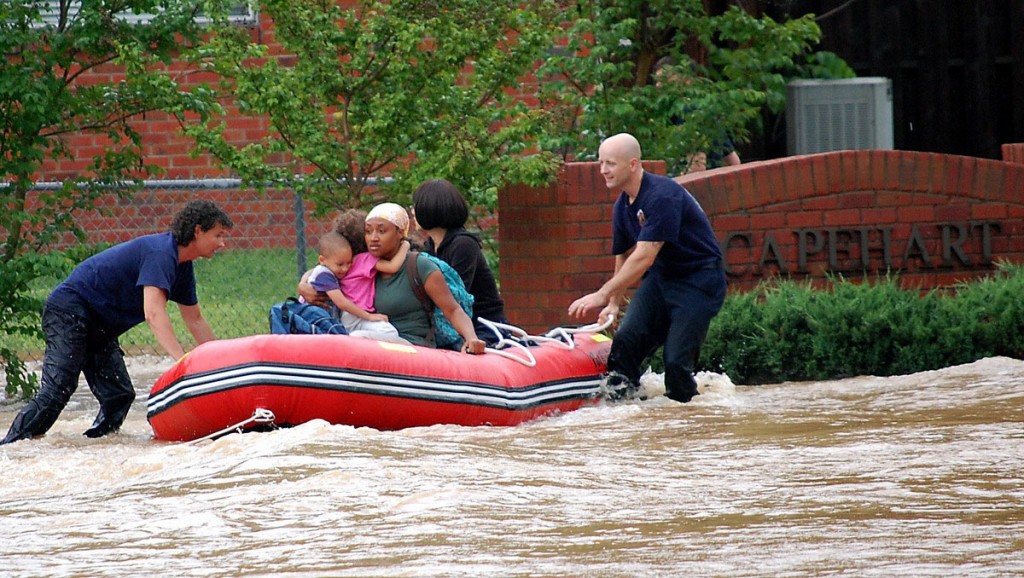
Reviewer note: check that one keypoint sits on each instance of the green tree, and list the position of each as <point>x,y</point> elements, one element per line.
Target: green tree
<point>49,49</point>
<point>407,89</point>
<point>735,65</point>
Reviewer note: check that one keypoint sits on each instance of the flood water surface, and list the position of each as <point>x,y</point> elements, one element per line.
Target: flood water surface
<point>919,475</point>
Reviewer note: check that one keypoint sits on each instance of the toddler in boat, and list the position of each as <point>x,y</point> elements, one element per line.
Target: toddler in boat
<point>346,276</point>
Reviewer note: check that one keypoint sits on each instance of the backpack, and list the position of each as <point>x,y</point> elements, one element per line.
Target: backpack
<point>445,336</point>
<point>290,317</point>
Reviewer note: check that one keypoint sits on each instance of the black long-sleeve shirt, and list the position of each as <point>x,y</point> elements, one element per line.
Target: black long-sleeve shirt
<point>463,251</point>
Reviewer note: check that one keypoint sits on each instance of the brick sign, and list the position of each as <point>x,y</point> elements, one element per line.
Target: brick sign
<point>932,220</point>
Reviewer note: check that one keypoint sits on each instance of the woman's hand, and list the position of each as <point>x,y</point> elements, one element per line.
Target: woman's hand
<point>474,346</point>
<point>311,295</point>
<point>441,295</point>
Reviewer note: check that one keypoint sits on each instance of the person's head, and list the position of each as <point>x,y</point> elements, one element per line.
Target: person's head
<point>201,222</point>
<point>439,205</point>
<point>667,71</point>
<point>619,157</point>
<point>660,71</point>
<point>386,225</point>
<point>350,224</point>
<point>335,253</point>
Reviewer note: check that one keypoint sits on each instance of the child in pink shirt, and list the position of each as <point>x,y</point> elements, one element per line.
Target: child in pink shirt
<point>348,280</point>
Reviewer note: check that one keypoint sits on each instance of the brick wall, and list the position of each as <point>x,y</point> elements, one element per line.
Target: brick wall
<point>933,219</point>
<point>1014,153</point>
<point>163,143</point>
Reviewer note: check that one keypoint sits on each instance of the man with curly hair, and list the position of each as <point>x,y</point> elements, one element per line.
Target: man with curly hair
<point>108,294</point>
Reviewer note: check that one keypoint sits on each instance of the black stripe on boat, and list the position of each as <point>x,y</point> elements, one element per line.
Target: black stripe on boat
<point>391,385</point>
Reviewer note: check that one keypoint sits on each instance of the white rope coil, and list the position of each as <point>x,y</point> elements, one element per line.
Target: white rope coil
<point>560,336</point>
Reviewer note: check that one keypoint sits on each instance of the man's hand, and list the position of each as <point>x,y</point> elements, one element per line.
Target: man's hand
<point>697,163</point>
<point>609,313</point>
<point>583,306</point>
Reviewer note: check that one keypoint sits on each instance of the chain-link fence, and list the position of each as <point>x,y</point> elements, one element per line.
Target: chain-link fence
<point>272,243</point>
<point>270,246</point>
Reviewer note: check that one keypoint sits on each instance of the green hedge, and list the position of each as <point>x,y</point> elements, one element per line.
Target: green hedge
<point>790,331</point>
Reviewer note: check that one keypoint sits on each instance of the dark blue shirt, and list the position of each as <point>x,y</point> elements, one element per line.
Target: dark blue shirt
<point>111,282</point>
<point>665,211</point>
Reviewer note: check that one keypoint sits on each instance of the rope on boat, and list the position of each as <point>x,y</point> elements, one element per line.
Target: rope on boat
<point>515,338</point>
<point>259,415</point>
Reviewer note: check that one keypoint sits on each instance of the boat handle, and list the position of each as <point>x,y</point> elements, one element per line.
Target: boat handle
<point>259,415</point>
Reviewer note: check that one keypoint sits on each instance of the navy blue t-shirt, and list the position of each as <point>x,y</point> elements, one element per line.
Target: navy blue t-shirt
<point>665,211</point>
<point>111,282</point>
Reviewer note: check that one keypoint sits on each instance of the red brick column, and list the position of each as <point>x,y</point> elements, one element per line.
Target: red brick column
<point>555,244</point>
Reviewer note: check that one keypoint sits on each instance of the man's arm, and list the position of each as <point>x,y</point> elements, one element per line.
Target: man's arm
<point>611,311</point>
<point>154,302</point>
<point>197,325</point>
<point>628,271</point>
<point>632,268</point>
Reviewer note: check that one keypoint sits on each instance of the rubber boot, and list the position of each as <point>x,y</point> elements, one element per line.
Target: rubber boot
<point>30,422</point>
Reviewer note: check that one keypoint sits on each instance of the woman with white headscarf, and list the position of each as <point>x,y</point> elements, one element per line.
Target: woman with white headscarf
<point>386,227</point>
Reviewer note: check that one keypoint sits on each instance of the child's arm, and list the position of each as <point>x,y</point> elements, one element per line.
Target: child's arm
<point>394,264</point>
<point>346,305</point>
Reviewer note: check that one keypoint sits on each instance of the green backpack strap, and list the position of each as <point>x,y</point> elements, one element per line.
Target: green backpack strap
<point>412,271</point>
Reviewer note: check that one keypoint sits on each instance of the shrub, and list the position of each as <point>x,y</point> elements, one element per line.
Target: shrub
<point>790,331</point>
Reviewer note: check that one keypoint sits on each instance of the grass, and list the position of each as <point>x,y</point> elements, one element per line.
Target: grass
<point>236,289</point>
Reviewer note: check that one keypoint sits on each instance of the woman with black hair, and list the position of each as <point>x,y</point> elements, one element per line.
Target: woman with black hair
<point>440,211</point>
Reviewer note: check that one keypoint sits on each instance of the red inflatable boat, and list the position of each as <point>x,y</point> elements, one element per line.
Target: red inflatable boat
<point>284,380</point>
